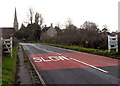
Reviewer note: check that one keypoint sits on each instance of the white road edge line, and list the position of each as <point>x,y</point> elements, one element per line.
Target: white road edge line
<point>87,64</point>
<point>41,79</point>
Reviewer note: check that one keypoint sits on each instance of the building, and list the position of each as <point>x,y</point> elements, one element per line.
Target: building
<point>7,32</point>
<point>47,33</point>
<point>51,31</point>
<point>15,24</point>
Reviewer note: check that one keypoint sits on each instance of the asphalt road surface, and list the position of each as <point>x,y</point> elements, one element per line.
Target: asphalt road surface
<point>63,66</point>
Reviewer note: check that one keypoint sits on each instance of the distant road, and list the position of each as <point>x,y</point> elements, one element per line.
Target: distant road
<point>63,66</point>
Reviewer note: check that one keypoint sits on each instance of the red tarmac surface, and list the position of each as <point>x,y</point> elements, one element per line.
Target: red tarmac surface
<point>45,63</point>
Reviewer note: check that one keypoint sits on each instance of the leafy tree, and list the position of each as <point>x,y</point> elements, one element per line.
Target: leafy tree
<point>33,30</point>
<point>87,36</point>
<point>31,33</point>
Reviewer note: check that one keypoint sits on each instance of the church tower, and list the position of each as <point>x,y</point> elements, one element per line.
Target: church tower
<point>15,24</point>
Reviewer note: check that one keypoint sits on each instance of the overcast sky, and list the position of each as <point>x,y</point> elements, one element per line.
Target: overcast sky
<point>58,11</point>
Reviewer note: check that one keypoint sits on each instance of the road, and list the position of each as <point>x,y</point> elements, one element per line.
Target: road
<point>63,66</point>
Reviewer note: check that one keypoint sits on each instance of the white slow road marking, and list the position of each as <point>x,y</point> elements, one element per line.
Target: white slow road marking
<point>71,59</point>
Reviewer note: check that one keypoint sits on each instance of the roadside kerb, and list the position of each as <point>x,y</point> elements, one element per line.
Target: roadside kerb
<point>41,79</point>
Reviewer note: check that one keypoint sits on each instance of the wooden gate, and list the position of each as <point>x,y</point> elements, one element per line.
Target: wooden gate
<point>112,42</point>
<point>7,46</point>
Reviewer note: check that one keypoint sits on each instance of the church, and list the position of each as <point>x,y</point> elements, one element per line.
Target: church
<point>7,32</point>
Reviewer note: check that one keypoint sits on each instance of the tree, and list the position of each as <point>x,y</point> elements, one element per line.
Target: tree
<point>89,26</point>
<point>22,26</point>
<point>38,18</point>
<point>68,22</point>
<point>34,17</point>
<point>104,30</point>
<point>30,15</point>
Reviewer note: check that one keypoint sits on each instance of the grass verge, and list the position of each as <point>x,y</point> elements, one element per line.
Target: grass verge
<point>9,68</point>
<point>112,54</point>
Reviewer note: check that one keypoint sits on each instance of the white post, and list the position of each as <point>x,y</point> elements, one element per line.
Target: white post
<point>11,43</point>
<point>116,43</point>
<point>108,43</point>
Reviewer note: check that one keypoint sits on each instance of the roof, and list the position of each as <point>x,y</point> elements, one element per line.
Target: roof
<point>45,29</point>
<point>7,32</point>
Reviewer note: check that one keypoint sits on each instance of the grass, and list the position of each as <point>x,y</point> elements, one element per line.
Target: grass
<point>0,74</point>
<point>9,67</point>
<point>112,54</point>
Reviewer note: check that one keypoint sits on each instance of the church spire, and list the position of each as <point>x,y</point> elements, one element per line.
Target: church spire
<point>15,24</point>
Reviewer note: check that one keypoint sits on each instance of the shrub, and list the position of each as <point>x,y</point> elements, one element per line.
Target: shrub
<point>112,54</point>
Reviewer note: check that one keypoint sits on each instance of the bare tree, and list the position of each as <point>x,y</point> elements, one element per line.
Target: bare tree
<point>38,18</point>
<point>29,19</point>
<point>89,26</point>
<point>31,15</point>
<point>34,17</point>
<point>105,29</point>
<point>69,21</point>
<point>41,19</point>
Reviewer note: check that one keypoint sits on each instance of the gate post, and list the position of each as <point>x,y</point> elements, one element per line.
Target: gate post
<point>11,45</point>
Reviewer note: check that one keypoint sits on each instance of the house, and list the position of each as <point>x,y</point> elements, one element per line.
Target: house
<point>7,32</point>
<point>49,31</point>
<point>45,28</point>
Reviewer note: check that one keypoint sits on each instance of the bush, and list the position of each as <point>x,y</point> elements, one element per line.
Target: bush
<point>112,54</point>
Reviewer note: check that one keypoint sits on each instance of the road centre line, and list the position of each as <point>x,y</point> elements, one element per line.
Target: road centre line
<point>76,60</point>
